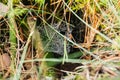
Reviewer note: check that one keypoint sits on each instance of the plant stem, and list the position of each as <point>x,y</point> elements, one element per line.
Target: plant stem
<point>12,25</point>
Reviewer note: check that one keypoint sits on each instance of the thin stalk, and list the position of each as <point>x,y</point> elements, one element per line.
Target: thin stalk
<point>12,25</point>
<point>12,33</point>
<point>54,61</point>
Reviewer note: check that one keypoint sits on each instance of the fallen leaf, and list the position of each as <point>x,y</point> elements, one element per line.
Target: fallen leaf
<point>4,61</point>
<point>3,10</point>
